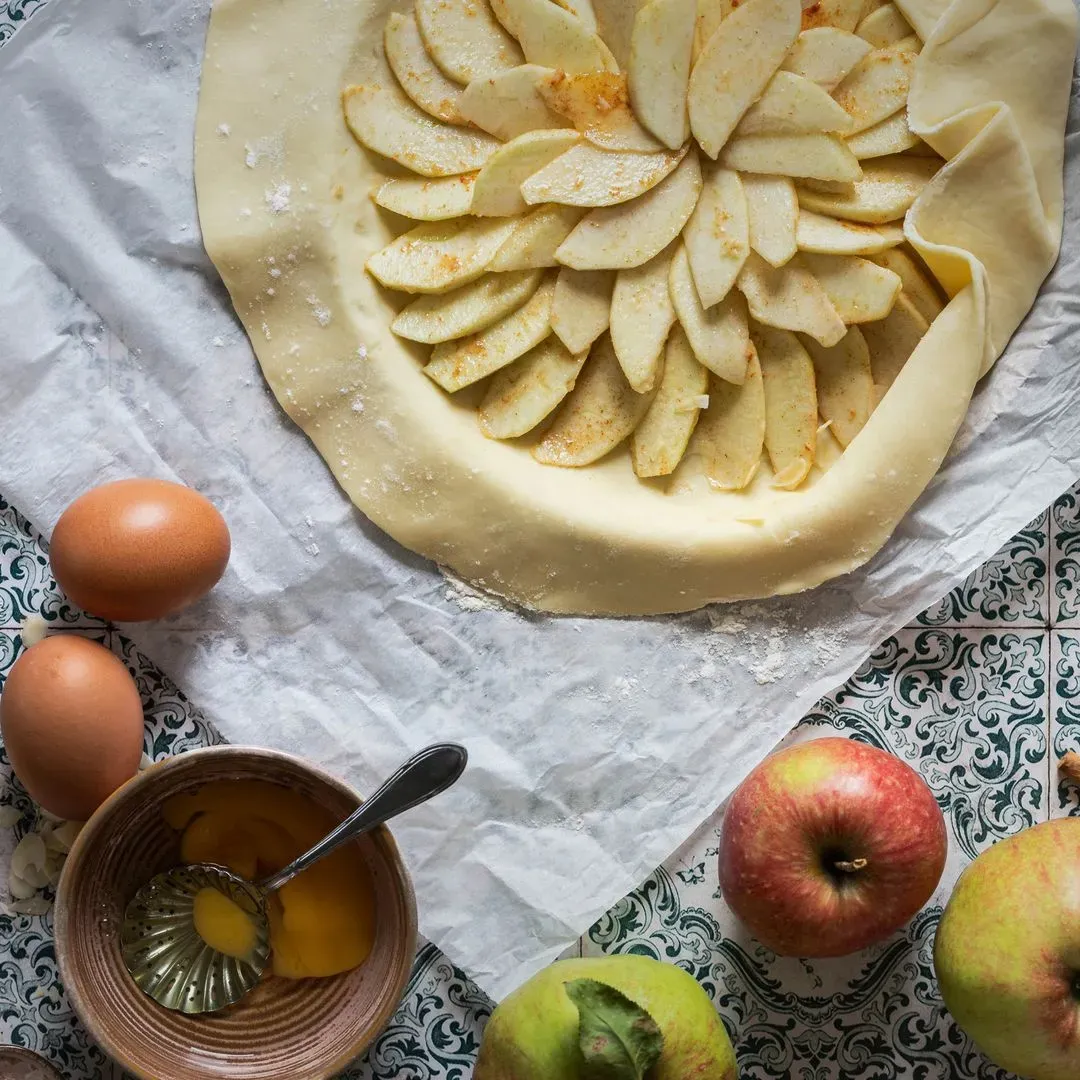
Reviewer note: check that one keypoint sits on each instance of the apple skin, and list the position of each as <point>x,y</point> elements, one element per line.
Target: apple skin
<point>533,1034</point>
<point>1007,952</point>
<point>809,807</point>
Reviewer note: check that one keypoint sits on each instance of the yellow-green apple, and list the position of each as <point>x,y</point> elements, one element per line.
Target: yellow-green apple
<point>829,846</point>
<point>1007,952</point>
<point>621,1017</point>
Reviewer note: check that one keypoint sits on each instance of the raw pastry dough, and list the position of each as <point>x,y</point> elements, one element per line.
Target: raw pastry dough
<point>292,233</point>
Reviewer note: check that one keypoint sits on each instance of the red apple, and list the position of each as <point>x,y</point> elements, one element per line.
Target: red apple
<point>830,846</point>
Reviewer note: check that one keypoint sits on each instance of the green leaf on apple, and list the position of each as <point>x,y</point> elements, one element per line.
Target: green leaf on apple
<point>619,1040</point>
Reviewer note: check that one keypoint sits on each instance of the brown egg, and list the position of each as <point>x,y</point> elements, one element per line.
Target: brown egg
<point>138,549</point>
<point>72,724</point>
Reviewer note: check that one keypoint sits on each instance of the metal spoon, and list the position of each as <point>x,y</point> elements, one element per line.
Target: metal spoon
<point>161,947</point>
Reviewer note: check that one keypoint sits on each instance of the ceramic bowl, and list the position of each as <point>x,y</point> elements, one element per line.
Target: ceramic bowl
<point>19,1064</point>
<point>308,1029</point>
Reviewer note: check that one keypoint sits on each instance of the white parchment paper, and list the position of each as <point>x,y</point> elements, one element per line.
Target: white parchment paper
<point>597,745</point>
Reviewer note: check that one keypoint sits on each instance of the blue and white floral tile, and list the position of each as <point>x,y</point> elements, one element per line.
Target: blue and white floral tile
<point>1064,576</point>
<point>1064,717</point>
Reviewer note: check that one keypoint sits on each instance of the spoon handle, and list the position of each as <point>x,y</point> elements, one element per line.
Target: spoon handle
<point>424,775</point>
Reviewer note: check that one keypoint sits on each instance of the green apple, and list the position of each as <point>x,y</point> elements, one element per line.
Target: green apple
<point>1007,952</point>
<point>536,1033</point>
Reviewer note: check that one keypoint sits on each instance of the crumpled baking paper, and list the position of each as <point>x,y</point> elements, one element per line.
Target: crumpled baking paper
<point>597,746</point>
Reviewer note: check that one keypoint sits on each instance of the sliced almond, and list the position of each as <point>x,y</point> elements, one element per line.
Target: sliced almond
<point>736,65</point>
<point>660,440</point>
<point>384,120</point>
<point>861,291</point>
<point>884,26</point>
<point>439,255</point>
<point>427,200</point>
<point>498,187</point>
<point>730,433</point>
<point>892,340</point>
<point>601,411</point>
<point>719,335</point>
<point>790,298</point>
<point>841,14</point>
<point>878,85</point>
<point>826,55</point>
<point>473,307</point>
<point>628,235</point>
<point>510,103</point>
<point>581,309</point>
<point>845,385</point>
<point>887,189</point>
<point>536,238</point>
<point>529,390</point>
<point>824,157</point>
<point>829,236</point>
<point>597,105</point>
<point>918,286</point>
<point>827,449</point>
<point>418,75</point>
<point>659,72</point>
<point>456,364</point>
<point>641,316</point>
<point>717,235</point>
<point>464,40</point>
<point>891,136</point>
<point>551,36</point>
<point>588,176</point>
<point>772,211</point>
<point>791,408</point>
<point>794,105</point>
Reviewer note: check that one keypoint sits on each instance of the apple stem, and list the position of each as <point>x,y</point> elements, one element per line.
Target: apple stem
<point>1069,766</point>
<point>850,866</point>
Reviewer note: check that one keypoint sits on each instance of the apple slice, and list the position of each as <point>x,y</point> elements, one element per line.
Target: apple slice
<point>794,105</point>
<point>710,14</point>
<point>861,291</point>
<point>891,136</point>
<point>600,413</point>
<point>887,189</point>
<point>840,14</point>
<point>427,200</point>
<point>892,340</point>
<point>456,364</point>
<point>791,408</point>
<point>923,14</point>
<point>845,385</point>
<point>498,187</point>
<point>581,309</point>
<point>582,10</point>
<point>772,212</point>
<point>464,40</point>
<point>717,235</point>
<point>598,105</point>
<point>730,433</point>
<point>627,235</point>
<point>536,238</point>
<point>588,176</point>
<point>551,36</point>
<point>509,104</point>
<point>790,298</point>
<point>439,255</point>
<point>736,65</point>
<point>823,157</point>
<point>660,440</point>
<point>383,119</point>
<point>660,52</point>
<point>919,288</point>
<point>878,85</point>
<point>884,26</point>
<point>414,69</point>
<point>641,316</point>
<point>528,391</point>
<point>829,236</point>
<point>719,335</point>
<point>443,317</point>
<point>825,56</point>
<point>615,25</point>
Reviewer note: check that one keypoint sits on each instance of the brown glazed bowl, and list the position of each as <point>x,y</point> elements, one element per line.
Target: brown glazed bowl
<point>283,1030</point>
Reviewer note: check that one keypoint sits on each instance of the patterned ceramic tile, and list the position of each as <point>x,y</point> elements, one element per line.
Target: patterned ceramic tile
<point>1064,577</point>
<point>1064,717</point>
<point>13,15</point>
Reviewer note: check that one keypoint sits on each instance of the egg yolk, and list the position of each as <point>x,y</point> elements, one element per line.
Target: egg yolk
<point>223,924</point>
<point>323,921</point>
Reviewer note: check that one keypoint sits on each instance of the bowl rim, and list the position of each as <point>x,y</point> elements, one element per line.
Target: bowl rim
<point>96,823</point>
<point>24,1053</point>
